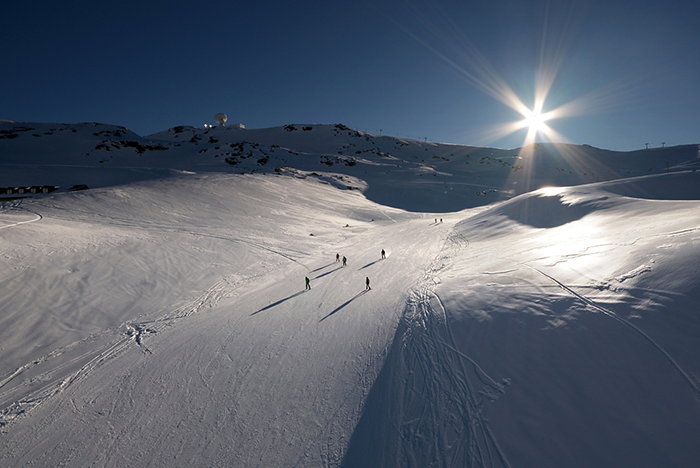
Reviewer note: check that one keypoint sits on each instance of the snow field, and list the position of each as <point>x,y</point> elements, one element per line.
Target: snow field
<point>594,322</point>
<point>165,322</point>
<point>252,368</point>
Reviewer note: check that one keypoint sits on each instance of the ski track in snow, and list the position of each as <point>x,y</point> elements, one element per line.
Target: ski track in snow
<point>20,393</point>
<point>634,273</point>
<point>595,249</point>
<point>129,223</point>
<point>118,340</point>
<point>38,217</point>
<point>441,418</point>
<point>59,377</point>
<point>611,314</point>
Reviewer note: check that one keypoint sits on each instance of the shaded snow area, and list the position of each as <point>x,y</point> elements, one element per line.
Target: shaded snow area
<point>161,319</point>
<point>408,174</point>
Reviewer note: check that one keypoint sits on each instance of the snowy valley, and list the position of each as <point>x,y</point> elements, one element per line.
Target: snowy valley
<point>537,307</point>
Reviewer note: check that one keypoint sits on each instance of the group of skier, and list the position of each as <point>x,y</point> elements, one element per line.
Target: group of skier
<point>345,263</point>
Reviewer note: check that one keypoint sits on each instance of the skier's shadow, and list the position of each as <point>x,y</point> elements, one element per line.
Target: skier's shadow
<point>344,304</point>
<point>326,273</point>
<point>321,268</point>
<point>279,302</point>
<point>369,264</point>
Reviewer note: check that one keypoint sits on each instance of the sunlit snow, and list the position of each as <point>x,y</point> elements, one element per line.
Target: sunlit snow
<point>530,311</point>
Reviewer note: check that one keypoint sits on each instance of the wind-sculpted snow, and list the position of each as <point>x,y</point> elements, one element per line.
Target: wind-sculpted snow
<point>544,210</point>
<point>679,186</point>
<point>593,321</point>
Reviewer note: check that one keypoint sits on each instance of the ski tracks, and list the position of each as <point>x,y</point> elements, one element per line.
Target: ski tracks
<point>440,416</point>
<point>611,314</point>
<point>38,217</point>
<point>35,382</point>
<point>53,373</point>
<point>59,369</point>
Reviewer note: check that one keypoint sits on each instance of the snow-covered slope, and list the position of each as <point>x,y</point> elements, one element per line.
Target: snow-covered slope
<point>587,302</point>
<point>163,321</point>
<point>195,285</point>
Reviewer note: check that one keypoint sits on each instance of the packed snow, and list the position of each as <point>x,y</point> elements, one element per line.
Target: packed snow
<point>536,306</point>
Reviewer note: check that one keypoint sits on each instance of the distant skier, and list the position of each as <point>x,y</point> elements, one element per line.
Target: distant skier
<point>367,288</point>
<point>337,257</point>
<point>383,254</point>
<point>345,260</point>
<point>308,283</point>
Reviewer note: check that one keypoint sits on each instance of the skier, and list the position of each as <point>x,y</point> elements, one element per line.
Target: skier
<point>383,254</point>
<point>344,261</point>
<point>308,285</point>
<point>337,257</point>
<point>367,284</point>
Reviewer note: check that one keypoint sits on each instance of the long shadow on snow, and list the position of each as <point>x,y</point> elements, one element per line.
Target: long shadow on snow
<point>425,406</point>
<point>369,264</point>
<point>543,211</point>
<point>279,302</point>
<point>321,268</point>
<point>376,440</point>
<point>327,273</point>
<point>343,305</point>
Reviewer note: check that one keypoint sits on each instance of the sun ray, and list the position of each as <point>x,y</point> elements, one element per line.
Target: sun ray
<point>536,122</point>
<point>465,58</point>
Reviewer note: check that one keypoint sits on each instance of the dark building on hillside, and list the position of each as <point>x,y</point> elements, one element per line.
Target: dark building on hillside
<point>32,189</point>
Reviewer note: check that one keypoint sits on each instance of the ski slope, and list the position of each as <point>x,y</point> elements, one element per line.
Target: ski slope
<point>223,294</point>
<point>163,321</point>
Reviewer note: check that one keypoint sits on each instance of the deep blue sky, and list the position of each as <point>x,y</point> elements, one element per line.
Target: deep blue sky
<point>405,67</point>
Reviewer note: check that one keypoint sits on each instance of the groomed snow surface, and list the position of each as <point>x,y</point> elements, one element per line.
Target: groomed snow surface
<point>166,323</point>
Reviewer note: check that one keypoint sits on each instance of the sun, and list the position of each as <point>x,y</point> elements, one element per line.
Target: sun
<point>535,122</point>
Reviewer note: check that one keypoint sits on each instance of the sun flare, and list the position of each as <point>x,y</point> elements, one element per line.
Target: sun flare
<point>447,41</point>
<point>535,121</point>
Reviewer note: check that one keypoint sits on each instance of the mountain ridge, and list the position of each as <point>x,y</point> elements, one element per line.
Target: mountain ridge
<point>454,176</point>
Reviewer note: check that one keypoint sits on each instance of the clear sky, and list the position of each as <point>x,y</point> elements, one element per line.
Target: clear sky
<point>627,73</point>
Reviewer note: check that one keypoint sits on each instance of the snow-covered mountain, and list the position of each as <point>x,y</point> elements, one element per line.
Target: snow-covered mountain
<point>536,307</point>
<point>449,177</point>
